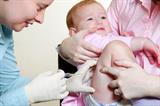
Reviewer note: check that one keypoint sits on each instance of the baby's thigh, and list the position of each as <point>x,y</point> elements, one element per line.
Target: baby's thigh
<point>117,50</point>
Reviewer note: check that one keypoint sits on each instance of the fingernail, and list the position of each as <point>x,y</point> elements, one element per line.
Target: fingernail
<point>104,69</point>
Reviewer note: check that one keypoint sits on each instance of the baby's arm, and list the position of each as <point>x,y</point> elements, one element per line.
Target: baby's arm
<point>148,47</point>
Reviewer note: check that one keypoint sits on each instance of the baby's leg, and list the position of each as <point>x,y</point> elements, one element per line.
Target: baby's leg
<point>115,50</point>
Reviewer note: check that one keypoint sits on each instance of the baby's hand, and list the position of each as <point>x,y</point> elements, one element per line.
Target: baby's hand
<point>152,51</point>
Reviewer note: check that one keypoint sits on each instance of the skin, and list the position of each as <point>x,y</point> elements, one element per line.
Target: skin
<point>100,81</point>
<point>76,50</point>
<point>27,12</point>
<point>86,18</point>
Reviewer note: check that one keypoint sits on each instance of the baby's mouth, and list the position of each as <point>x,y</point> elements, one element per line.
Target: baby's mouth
<point>101,28</point>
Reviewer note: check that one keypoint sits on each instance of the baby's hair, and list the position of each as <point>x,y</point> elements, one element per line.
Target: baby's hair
<point>69,18</point>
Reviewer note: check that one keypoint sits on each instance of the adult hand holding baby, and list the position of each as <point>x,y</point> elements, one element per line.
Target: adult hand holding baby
<point>76,49</point>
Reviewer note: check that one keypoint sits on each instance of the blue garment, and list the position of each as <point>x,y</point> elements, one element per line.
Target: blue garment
<point>11,83</point>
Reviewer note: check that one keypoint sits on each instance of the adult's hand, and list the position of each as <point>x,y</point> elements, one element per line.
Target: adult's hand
<point>77,83</point>
<point>47,86</point>
<point>76,49</point>
<point>133,82</point>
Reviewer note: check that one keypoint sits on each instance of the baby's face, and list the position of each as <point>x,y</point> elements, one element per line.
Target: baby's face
<point>92,16</point>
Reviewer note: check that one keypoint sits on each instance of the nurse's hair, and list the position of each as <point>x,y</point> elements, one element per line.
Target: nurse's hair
<point>73,10</point>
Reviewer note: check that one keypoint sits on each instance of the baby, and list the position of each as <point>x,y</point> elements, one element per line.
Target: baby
<point>89,14</point>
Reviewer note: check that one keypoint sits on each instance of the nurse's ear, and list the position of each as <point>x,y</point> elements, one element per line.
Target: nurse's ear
<point>72,31</point>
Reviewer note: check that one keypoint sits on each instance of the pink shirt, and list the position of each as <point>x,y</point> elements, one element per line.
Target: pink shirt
<point>135,18</point>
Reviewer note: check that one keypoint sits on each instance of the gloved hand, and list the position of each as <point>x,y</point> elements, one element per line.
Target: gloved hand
<point>47,86</point>
<point>76,82</point>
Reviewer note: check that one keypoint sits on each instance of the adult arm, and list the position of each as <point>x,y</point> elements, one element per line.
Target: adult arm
<point>45,87</point>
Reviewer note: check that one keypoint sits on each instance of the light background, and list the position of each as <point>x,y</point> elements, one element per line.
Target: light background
<point>35,47</point>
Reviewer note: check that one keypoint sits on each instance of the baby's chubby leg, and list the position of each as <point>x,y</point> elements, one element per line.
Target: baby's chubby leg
<point>114,50</point>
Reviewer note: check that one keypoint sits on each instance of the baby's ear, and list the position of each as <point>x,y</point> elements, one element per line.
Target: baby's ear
<point>72,31</point>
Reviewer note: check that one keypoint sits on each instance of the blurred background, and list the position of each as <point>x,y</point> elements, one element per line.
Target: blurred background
<point>35,47</point>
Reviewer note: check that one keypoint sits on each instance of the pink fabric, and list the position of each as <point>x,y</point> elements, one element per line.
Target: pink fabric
<point>100,41</point>
<point>135,18</point>
<point>73,99</point>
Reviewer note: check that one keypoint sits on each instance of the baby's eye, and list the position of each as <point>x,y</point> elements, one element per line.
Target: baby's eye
<point>103,17</point>
<point>89,19</point>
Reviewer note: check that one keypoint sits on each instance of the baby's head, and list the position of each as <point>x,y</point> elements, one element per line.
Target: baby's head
<point>88,14</point>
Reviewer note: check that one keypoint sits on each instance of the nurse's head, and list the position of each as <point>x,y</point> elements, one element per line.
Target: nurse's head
<point>18,14</point>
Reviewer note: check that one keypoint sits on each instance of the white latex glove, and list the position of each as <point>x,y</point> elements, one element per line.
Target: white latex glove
<point>76,82</point>
<point>47,86</point>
